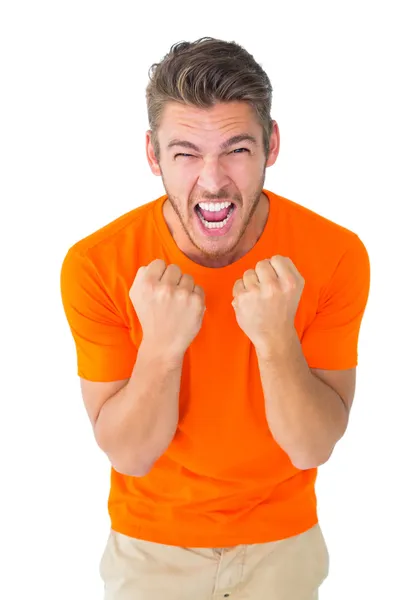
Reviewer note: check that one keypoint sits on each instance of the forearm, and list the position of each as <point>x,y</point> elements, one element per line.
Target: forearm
<point>136,425</point>
<point>306,416</point>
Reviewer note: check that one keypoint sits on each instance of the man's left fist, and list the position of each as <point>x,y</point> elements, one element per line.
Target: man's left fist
<point>266,301</point>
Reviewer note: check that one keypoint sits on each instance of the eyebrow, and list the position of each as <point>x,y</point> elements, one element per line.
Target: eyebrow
<point>236,139</point>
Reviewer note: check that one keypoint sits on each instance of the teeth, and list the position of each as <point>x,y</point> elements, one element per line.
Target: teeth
<point>216,225</point>
<point>214,206</point>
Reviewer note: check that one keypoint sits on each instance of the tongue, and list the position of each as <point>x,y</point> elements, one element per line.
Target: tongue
<point>218,215</point>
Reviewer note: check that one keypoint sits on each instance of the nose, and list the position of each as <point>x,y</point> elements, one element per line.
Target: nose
<point>212,176</point>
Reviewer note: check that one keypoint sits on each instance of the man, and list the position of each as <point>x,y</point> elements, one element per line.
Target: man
<point>216,331</point>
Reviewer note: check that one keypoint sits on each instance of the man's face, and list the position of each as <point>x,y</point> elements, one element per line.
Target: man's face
<point>214,182</point>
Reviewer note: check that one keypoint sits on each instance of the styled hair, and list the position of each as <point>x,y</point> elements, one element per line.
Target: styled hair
<point>206,72</point>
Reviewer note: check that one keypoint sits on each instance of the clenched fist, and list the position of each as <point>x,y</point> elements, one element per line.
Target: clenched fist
<point>169,306</point>
<point>266,301</point>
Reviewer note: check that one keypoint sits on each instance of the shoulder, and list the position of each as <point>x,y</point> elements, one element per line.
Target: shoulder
<point>104,263</point>
<point>315,240</point>
<point>307,221</point>
<point>115,233</point>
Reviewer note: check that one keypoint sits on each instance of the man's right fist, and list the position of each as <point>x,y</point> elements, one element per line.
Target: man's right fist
<point>169,306</point>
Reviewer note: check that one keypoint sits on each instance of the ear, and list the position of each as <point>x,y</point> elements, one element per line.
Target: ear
<point>151,157</point>
<point>274,143</point>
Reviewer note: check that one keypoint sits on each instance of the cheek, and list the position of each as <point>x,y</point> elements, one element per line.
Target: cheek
<point>176,184</point>
<point>183,177</point>
<point>243,170</point>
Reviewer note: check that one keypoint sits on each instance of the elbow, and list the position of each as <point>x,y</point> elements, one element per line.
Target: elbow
<point>305,462</point>
<point>130,471</point>
<point>129,467</point>
<point>121,463</point>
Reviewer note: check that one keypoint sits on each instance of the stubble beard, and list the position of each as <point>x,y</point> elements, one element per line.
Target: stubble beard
<point>214,251</point>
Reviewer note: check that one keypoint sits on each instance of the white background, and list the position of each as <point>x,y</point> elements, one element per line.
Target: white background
<point>72,132</point>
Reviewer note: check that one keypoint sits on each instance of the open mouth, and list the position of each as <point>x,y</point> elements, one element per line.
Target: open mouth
<point>215,216</point>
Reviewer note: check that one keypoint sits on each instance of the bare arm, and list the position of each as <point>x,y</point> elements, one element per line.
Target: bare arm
<point>306,416</point>
<point>307,410</point>
<point>136,425</point>
<point>135,420</point>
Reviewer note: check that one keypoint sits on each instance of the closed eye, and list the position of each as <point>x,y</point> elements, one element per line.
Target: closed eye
<point>236,151</point>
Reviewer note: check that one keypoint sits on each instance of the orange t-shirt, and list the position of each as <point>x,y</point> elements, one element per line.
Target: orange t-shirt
<point>223,481</point>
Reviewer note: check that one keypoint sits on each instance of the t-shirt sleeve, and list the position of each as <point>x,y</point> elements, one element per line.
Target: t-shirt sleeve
<point>104,348</point>
<point>331,340</point>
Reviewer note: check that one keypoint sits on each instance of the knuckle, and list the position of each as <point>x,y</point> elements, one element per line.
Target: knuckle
<point>291,281</point>
<point>173,267</point>
<point>187,279</point>
<point>182,294</point>
<point>164,290</point>
<point>199,293</point>
<point>147,286</point>
<point>156,264</point>
<point>197,301</point>
<point>270,290</point>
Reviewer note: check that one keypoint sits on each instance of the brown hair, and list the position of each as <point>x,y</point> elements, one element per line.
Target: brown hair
<point>206,72</point>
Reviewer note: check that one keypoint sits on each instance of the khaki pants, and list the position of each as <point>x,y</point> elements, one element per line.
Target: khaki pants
<point>289,569</point>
